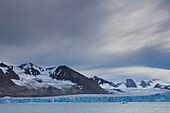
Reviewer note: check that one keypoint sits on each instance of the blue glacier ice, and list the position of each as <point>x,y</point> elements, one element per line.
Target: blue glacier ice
<point>163,97</point>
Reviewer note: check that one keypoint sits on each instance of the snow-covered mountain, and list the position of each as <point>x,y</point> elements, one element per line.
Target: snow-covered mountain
<point>31,80</point>
<point>134,87</point>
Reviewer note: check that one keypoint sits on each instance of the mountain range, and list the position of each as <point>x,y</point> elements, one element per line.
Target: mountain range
<point>30,80</point>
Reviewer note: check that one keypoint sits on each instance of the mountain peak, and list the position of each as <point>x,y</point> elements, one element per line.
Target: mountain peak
<point>28,64</point>
<point>64,67</point>
<point>64,80</point>
<point>101,81</point>
<point>155,79</point>
<point>130,83</point>
<point>65,73</point>
<point>30,68</point>
<point>3,65</point>
<point>143,84</point>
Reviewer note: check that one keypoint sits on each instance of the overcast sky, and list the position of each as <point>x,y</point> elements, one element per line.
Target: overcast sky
<point>113,39</point>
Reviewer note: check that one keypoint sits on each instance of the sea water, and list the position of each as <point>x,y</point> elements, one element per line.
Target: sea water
<point>133,107</point>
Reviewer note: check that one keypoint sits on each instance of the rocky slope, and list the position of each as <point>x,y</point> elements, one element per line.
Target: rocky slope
<point>31,80</point>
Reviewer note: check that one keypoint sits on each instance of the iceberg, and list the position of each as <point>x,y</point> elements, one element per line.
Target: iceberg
<point>163,97</point>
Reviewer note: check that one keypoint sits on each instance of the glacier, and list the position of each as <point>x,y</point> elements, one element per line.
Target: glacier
<point>86,98</point>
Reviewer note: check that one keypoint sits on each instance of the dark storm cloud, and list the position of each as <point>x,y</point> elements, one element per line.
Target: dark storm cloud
<point>53,23</point>
<point>86,34</point>
<point>27,20</point>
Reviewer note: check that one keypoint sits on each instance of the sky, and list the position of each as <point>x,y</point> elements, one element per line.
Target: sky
<point>112,39</point>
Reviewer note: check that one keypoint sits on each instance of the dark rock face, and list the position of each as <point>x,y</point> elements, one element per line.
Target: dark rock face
<point>130,83</point>
<point>88,85</point>
<point>99,80</point>
<point>151,81</point>
<point>102,81</point>
<point>30,69</point>
<point>5,80</point>
<point>7,86</point>
<point>143,84</point>
<point>9,72</point>
<point>157,86</point>
<point>4,65</point>
<point>162,86</point>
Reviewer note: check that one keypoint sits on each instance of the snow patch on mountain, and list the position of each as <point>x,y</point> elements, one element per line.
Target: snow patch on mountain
<point>4,69</point>
<point>43,80</point>
<point>106,86</point>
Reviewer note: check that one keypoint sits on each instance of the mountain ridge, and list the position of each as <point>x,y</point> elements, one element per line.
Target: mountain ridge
<point>29,80</point>
<point>46,81</point>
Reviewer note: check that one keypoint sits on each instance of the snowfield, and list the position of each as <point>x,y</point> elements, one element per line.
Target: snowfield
<point>41,81</point>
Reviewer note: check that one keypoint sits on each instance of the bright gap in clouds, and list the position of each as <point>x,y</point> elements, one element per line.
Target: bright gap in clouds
<point>136,73</point>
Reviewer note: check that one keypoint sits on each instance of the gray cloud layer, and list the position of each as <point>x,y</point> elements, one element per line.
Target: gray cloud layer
<point>86,34</point>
